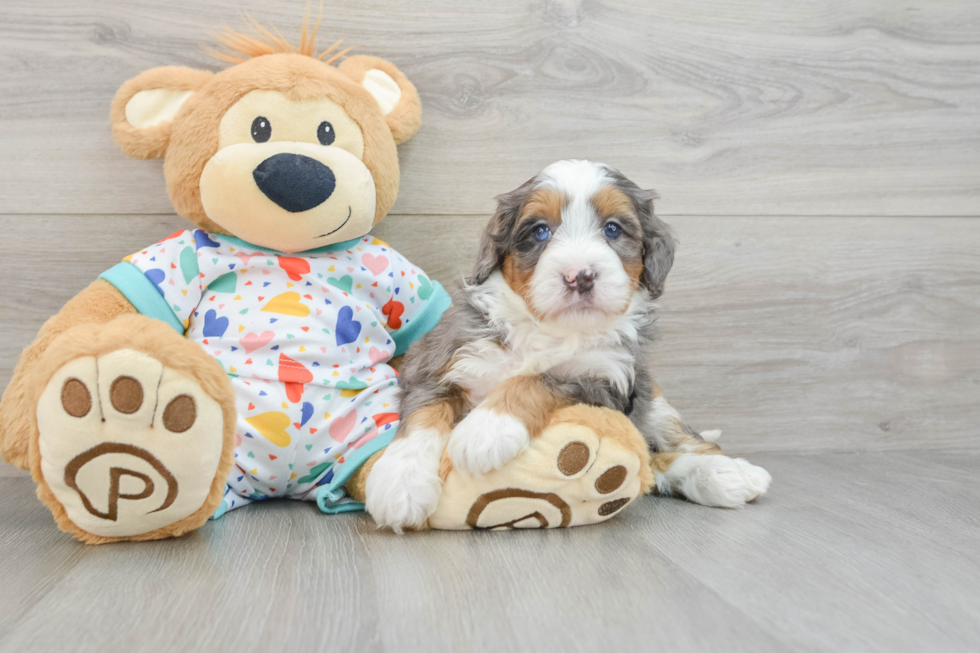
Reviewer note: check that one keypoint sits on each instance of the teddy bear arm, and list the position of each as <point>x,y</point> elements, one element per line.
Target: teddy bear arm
<point>99,303</point>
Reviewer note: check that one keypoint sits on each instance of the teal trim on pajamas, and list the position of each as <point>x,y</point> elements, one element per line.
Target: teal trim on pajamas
<point>332,498</point>
<point>326,249</point>
<point>220,512</point>
<point>141,293</point>
<point>423,321</point>
<point>327,504</point>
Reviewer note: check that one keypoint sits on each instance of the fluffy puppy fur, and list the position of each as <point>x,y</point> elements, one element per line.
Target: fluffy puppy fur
<point>559,310</point>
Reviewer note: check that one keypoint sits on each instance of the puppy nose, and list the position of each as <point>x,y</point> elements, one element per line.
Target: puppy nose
<point>581,282</point>
<point>294,182</point>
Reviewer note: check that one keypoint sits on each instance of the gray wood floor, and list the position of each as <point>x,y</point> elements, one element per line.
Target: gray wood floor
<point>866,552</point>
<point>820,162</point>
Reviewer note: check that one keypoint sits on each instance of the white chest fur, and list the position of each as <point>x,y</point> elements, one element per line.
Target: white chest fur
<point>532,347</point>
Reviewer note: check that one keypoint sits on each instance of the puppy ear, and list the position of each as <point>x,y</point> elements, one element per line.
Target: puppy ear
<point>493,248</point>
<point>658,243</point>
<point>144,108</point>
<point>397,97</point>
<point>496,239</point>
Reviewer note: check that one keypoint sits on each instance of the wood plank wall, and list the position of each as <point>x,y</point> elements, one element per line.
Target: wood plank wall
<point>820,162</point>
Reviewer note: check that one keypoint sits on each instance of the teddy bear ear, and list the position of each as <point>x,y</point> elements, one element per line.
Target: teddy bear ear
<point>144,108</point>
<point>396,95</point>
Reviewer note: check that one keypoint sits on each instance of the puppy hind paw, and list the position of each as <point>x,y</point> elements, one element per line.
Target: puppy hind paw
<point>757,478</point>
<point>719,481</point>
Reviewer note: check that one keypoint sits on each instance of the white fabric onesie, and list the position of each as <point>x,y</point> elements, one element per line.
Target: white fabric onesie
<point>305,339</point>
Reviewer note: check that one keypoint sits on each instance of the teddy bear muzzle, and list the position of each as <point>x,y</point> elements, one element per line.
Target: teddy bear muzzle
<point>289,196</point>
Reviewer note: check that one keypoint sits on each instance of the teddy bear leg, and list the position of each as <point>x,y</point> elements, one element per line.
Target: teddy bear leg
<point>134,431</point>
<point>99,303</point>
<point>585,467</point>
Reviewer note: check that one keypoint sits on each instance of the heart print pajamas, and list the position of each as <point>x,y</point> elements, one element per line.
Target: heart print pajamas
<point>305,339</point>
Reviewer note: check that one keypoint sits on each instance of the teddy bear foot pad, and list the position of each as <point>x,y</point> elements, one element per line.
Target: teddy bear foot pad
<point>583,469</point>
<point>127,446</point>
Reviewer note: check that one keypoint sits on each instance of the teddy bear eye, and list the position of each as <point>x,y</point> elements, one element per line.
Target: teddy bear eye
<point>325,133</point>
<point>261,129</point>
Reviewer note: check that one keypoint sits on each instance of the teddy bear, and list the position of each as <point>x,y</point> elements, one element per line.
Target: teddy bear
<point>253,355</point>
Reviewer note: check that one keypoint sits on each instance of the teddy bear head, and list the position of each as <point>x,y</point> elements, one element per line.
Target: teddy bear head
<point>283,149</point>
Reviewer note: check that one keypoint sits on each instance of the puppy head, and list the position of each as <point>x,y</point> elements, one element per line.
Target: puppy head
<point>575,242</point>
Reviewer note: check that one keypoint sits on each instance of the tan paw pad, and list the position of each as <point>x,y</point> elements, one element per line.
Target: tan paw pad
<point>568,476</point>
<point>127,445</point>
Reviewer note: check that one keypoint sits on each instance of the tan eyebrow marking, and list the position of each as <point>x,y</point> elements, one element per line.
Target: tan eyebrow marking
<point>544,203</point>
<point>609,201</point>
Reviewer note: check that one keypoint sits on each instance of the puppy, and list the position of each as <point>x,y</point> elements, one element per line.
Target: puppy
<point>559,310</point>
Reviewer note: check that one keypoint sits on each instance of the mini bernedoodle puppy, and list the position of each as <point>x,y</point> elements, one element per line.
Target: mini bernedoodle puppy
<point>558,310</point>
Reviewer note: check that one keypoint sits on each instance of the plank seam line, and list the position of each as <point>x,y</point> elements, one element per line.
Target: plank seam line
<point>488,213</point>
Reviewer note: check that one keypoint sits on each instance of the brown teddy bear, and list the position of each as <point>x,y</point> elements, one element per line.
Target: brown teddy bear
<point>250,357</point>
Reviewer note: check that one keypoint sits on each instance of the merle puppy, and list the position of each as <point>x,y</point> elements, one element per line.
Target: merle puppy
<point>558,311</point>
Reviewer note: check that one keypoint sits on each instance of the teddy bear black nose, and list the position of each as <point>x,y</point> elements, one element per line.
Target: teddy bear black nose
<point>294,182</point>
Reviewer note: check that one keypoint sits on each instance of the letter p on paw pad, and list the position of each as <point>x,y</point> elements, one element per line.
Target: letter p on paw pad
<point>127,446</point>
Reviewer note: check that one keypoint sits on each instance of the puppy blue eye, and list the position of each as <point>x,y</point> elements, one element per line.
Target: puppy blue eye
<point>612,231</point>
<point>542,233</point>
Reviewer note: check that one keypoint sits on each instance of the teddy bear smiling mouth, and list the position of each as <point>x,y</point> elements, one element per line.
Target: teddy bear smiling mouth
<point>338,228</point>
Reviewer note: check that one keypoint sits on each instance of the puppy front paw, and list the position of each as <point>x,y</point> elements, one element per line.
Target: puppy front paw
<point>404,486</point>
<point>486,440</point>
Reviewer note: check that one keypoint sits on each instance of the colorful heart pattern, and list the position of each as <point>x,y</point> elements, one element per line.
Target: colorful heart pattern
<point>345,283</point>
<point>341,427</point>
<point>188,264</point>
<point>225,283</point>
<point>294,376</point>
<point>214,326</point>
<point>305,339</point>
<point>272,425</point>
<point>376,264</point>
<point>251,341</point>
<point>288,303</point>
<point>346,328</point>
<point>295,267</point>
<point>393,309</point>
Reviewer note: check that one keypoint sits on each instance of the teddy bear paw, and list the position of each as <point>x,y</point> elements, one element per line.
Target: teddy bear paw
<point>587,466</point>
<point>127,446</point>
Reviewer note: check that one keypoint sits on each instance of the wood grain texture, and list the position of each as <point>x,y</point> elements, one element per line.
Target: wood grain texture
<point>791,107</point>
<point>791,334</point>
<point>854,339</point>
<point>841,555</point>
<point>9,471</point>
